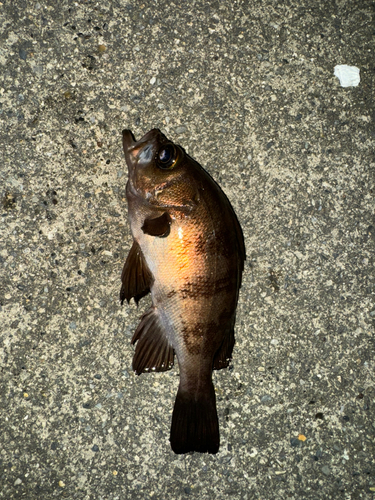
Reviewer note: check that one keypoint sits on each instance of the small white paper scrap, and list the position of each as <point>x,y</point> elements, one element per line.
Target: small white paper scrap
<point>348,75</point>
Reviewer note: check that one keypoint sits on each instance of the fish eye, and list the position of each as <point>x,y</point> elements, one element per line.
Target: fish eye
<point>167,156</point>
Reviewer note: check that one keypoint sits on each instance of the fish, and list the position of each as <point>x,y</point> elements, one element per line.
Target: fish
<point>188,250</point>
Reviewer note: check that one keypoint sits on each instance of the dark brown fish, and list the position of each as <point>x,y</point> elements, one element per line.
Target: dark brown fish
<point>188,250</point>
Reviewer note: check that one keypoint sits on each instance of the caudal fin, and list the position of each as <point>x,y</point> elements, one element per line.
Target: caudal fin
<point>195,426</point>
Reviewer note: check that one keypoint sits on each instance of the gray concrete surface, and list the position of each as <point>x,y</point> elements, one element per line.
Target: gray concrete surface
<point>247,88</point>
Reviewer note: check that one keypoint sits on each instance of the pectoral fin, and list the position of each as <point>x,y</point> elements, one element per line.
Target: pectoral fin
<point>136,276</point>
<point>153,352</point>
<point>158,227</point>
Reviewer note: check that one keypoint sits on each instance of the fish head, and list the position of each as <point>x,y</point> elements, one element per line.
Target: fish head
<point>159,170</point>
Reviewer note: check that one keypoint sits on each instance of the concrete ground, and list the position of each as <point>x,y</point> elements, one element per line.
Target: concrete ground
<point>248,89</point>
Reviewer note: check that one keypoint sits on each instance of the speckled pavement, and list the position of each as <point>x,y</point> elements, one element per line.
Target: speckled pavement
<point>248,89</point>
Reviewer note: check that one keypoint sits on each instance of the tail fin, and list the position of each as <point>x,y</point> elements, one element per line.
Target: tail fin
<point>195,426</point>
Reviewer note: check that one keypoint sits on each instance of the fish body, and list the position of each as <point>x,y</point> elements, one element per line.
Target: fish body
<point>188,250</point>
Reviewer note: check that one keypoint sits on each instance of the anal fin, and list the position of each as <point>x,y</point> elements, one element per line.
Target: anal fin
<point>136,276</point>
<point>153,352</point>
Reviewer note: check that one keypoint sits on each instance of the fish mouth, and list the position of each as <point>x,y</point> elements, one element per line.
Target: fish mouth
<point>139,154</point>
<point>142,151</point>
<point>129,140</point>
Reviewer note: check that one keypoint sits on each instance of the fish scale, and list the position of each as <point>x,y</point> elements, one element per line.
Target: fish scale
<point>188,250</point>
